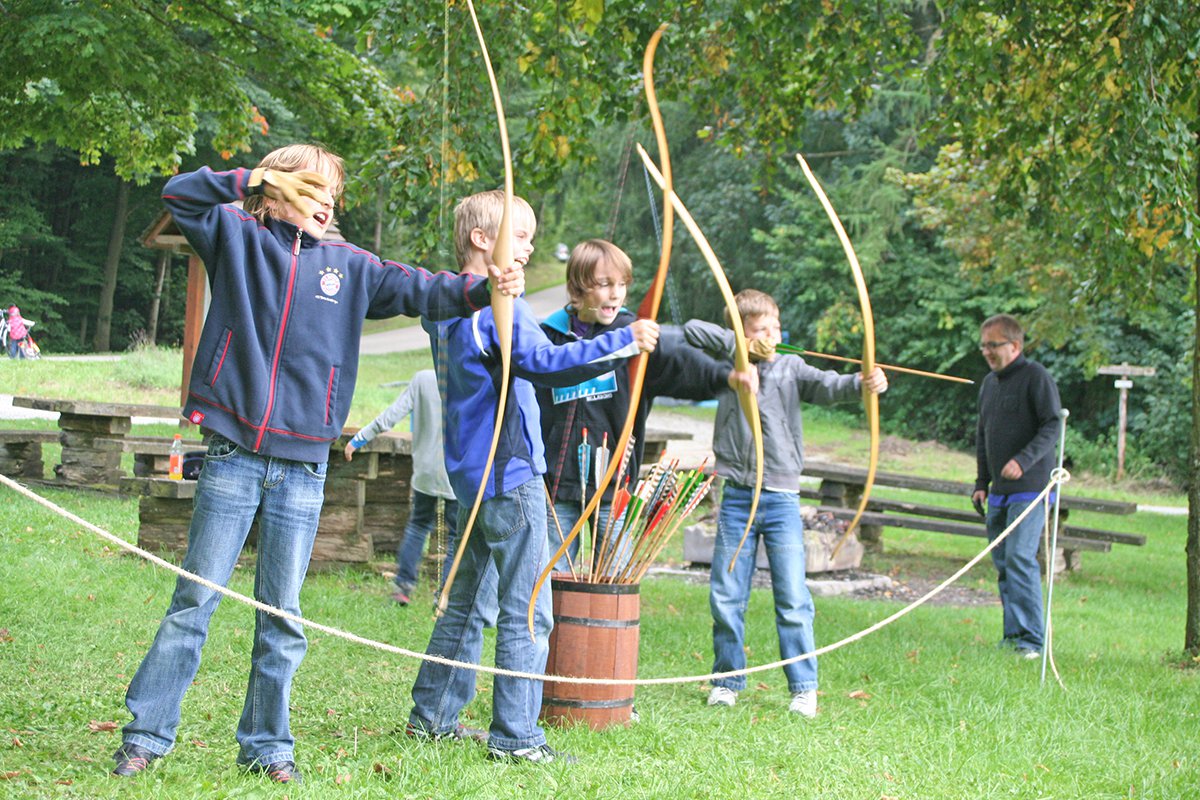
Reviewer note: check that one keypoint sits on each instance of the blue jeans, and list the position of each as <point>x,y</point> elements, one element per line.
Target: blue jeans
<point>422,518</point>
<point>509,534</point>
<point>778,523</point>
<point>568,514</point>
<point>235,485</point>
<point>1018,573</point>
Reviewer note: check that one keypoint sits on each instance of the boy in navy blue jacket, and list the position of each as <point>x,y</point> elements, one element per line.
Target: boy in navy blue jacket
<point>271,383</point>
<point>511,526</point>
<point>598,276</point>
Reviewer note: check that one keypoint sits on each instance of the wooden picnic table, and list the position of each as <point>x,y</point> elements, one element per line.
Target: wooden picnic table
<point>92,434</point>
<point>841,488</point>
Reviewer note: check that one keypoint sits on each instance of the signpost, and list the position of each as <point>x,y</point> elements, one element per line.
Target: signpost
<point>1125,371</point>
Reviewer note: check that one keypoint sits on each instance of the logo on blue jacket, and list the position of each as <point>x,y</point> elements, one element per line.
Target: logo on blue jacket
<point>331,283</point>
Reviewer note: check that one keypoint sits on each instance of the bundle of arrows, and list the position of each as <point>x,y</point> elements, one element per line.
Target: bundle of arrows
<point>641,523</point>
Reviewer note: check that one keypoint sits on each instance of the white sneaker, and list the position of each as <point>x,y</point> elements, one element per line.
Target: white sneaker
<point>722,696</point>
<point>804,703</point>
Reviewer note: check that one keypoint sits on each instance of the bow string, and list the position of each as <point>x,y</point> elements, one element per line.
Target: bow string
<point>647,310</point>
<point>870,399</point>
<point>502,311</point>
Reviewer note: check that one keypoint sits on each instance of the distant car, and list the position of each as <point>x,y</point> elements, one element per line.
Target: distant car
<point>562,252</point>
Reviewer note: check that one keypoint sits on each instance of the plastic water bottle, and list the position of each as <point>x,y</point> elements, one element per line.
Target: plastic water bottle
<point>175,470</point>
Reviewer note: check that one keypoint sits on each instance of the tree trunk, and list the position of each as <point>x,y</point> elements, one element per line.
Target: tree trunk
<point>164,259</point>
<point>1191,632</point>
<point>109,288</point>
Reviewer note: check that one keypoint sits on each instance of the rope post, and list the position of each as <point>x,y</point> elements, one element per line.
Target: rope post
<point>1062,447</point>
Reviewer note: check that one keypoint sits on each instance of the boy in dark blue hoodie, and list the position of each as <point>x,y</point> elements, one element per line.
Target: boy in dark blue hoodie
<point>511,526</point>
<point>271,384</point>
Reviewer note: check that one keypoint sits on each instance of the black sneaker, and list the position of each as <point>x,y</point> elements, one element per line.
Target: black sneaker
<point>542,754</point>
<point>459,734</point>
<point>279,772</point>
<point>132,759</point>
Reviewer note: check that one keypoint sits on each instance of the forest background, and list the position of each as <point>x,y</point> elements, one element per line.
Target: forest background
<point>1037,159</point>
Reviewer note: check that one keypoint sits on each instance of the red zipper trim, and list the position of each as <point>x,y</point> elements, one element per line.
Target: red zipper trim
<point>287,307</point>
<point>221,363</point>
<point>328,394</point>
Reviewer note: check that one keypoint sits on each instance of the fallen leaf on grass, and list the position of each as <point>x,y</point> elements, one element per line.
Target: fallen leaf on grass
<point>199,743</point>
<point>96,726</point>
<point>913,655</point>
<point>64,781</point>
<point>340,779</point>
<point>762,686</point>
<point>17,742</point>
<point>8,776</point>
<point>859,694</point>
<point>380,769</point>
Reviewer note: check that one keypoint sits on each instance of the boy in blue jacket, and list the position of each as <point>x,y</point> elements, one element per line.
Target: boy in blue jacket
<point>511,526</point>
<point>271,384</point>
<point>598,276</point>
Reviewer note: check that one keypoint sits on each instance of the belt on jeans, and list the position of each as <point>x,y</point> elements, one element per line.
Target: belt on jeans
<point>1005,500</point>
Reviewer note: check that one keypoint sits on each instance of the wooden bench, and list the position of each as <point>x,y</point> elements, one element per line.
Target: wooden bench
<point>152,454</point>
<point>91,434</point>
<point>165,510</point>
<point>841,488</point>
<point>21,452</point>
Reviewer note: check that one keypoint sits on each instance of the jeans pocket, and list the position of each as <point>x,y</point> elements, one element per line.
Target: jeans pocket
<point>220,448</point>
<point>505,515</point>
<point>314,469</point>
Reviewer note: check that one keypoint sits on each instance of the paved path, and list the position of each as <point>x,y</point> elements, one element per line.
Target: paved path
<point>414,337</point>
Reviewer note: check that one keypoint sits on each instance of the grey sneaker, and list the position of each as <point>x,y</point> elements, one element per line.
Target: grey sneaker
<point>804,703</point>
<point>722,696</point>
<point>1029,653</point>
<point>542,754</point>
<point>459,734</point>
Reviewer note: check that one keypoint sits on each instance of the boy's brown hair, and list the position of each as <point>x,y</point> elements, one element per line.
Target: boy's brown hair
<point>482,210</point>
<point>586,257</point>
<point>294,158</point>
<point>1007,325</point>
<point>753,303</point>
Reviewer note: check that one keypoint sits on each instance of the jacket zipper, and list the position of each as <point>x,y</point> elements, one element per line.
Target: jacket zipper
<point>287,307</point>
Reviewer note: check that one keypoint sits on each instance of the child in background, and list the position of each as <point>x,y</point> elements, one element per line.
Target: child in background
<point>598,277</point>
<point>429,480</point>
<point>511,525</point>
<point>784,382</point>
<point>18,329</point>
<point>272,396</point>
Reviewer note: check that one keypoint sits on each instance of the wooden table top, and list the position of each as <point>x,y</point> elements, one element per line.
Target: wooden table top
<point>94,408</point>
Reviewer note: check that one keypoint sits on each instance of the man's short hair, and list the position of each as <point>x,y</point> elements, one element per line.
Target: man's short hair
<point>586,257</point>
<point>482,210</point>
<point>753,303</point>
<point>294,158</point>
<point>1007,325</point>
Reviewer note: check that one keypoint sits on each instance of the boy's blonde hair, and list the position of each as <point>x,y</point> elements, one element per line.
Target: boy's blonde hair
<point>482,210</point>
<point>586,257</point>
<point>295,158</point>
<point>753,303</point>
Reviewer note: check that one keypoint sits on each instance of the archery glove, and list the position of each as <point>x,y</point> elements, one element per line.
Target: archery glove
<point>290,186</point>
<point>760,350</point>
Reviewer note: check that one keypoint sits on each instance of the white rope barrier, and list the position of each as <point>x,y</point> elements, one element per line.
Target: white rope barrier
<point>1060,477</point>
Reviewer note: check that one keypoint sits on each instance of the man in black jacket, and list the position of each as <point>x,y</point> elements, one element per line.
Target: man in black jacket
<point>1014,448</point>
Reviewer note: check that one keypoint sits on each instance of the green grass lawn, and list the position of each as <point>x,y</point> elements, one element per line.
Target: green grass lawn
<point>927,708</point>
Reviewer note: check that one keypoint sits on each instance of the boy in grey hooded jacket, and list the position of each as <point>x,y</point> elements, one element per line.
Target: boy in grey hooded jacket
<point>784,381</point>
